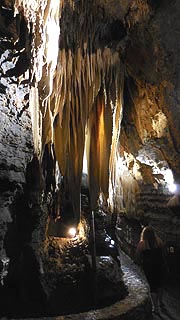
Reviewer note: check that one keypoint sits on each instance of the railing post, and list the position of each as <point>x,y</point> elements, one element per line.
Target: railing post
<point>93,254</point>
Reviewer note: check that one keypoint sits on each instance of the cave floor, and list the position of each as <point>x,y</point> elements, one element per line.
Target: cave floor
<point>170,302</point>
<point>169,309</point>
<point>170,306</point>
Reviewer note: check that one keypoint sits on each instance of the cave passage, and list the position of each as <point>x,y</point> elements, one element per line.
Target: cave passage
<point>89,154</point>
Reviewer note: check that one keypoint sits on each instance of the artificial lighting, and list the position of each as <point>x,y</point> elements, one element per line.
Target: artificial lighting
<point>168,177</point>
<point>72,232</point>
<point>172,187</point>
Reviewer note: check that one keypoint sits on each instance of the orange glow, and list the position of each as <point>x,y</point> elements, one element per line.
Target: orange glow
<point>72,232</point>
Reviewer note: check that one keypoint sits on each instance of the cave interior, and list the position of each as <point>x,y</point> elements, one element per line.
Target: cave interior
<point>89,147</point>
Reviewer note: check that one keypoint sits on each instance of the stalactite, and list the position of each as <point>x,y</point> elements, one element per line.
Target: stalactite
<point>117,116</point>
<point>99,132</point>
<point>43,21</point>
<point>83,85</point>
<point>78,87</point>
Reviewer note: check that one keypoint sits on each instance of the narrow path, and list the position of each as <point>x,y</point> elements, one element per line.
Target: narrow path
<point>170,303</point>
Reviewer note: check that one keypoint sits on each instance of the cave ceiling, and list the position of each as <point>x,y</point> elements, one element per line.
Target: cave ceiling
<point>102,75</point>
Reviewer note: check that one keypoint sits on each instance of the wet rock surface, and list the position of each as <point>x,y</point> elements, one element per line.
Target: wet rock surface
<point>169,308</point>
<point>136,305</point>
<point>71,284</point>
<point>169,305</point>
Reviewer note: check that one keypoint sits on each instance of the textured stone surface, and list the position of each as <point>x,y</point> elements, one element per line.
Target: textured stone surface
<point>15,146</point>
<point>135,306</point>
<point>115,9</point>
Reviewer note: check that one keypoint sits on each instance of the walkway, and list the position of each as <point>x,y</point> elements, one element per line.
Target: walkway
<point>136,305</point>
<point>170,303</point>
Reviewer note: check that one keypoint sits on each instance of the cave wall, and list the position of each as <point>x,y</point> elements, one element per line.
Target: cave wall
<point>16,143</point>
<point>149,141</point>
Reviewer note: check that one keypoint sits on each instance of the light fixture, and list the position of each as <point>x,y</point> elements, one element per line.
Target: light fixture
<point>72,232</point>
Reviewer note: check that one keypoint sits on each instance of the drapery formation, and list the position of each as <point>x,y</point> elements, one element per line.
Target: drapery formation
<point>77,82</point>
<point>90,100</point>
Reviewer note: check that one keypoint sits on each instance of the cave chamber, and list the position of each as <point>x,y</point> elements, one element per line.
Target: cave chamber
<point>89,112</point>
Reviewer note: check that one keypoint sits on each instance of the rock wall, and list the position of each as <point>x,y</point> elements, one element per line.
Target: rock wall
<point>149,139</point>
<point>16,146</point>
